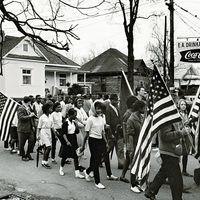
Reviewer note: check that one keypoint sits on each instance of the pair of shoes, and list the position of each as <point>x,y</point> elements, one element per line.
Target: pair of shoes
<point>100,186</point>
<point>112,178</point>
<point>149,194</point>
<point>187,174</point>
<point>123,179</point>
<point>30,157</point>
<point>61,172</point>
<point>25,159</point>
<point>186,188</point>
<point>78,174</point>
<point>81,168</point>
<point>91,174</point>
<point>46,165</point>
<point>7,149</point>
<point>53,161</point>
<point>87,176</point>
<point>13,151</point>
<point>136,189</point>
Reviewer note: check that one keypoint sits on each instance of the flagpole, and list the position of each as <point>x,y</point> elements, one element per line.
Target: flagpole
<point>129,87</point>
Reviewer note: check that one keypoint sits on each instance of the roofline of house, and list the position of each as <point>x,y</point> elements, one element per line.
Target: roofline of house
<point>61,69</point>
<point>28,60</point>
<point>60,65</point>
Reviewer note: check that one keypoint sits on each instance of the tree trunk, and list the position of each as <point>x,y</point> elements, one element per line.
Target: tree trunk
<point>130,61</point>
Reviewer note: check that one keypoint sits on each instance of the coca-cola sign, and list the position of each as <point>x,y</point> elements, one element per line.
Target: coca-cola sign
<point>192,56</point>
<point>188,51</point>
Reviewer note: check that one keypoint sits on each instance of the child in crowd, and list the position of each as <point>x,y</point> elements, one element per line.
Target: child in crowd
<point>69,144</point>
<point>56,117</point>
<point>45,126</point>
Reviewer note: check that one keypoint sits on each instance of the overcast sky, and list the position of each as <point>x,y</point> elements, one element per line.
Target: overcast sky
<point>105,31</point>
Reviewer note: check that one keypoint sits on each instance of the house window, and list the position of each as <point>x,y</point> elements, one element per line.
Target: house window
<point>62,79</point>
<point>25,47</point>
<point>26,76</point>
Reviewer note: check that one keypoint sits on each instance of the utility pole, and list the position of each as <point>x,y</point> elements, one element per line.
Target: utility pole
<point>164,64</point>
<point>171,67</point>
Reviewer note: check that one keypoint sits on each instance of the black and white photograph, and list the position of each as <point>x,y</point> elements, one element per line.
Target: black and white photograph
<point>99,99</point>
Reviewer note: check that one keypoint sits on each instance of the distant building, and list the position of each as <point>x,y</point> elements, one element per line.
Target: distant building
<point>105,72</point>
<point>187,78</point>
<point>30,68</point>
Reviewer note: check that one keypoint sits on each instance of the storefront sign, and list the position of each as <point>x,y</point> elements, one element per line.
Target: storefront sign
<point>189,51</point>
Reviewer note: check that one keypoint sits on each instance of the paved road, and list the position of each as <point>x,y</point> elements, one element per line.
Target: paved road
<point>42,182</point>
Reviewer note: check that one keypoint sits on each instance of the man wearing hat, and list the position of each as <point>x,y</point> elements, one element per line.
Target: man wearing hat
<point>113,119</point>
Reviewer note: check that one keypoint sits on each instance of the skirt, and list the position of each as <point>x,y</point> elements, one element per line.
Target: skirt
<point>67,151</point>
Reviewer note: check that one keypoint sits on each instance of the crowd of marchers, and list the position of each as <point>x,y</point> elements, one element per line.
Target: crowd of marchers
<point>95,122</point>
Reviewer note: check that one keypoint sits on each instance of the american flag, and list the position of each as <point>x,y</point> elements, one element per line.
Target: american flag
<point>161,110</point>
<point>194,115</point>
<point>8,108</point>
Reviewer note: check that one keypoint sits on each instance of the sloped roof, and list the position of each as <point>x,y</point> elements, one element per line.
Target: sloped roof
<point>10,42</point>
<point>53,56</point>
<point>180,70</point>
<point>193,73</point>
<point>113,61</point>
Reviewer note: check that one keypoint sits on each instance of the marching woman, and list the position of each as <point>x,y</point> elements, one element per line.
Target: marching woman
<point>182,105</point>
<point>96,138</point>
<point>45,126</point>
<point>69,144</point>
<point>56,117</point>
<point>81,119</point>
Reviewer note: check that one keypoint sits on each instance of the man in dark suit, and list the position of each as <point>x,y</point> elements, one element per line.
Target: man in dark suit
<point>25,128</point>
<point>113,119</point>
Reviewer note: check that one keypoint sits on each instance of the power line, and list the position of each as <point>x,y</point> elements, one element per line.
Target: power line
<point>187,11</point>
<point>189,20</point>
<point>179,15</point>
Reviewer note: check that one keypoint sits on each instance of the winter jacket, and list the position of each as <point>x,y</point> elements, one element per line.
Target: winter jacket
<point>25,123</point>
<point>169,137</point>
<point>134,125</point>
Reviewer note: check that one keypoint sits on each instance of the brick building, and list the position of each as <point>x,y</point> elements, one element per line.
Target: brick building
<point>105,72</point>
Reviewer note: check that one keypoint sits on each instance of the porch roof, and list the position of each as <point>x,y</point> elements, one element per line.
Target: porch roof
<point>64,69</point>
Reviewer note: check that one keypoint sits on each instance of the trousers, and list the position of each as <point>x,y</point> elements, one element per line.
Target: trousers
<point>170,169</point>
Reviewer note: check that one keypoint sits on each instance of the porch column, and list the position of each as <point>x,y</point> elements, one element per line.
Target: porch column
<point>54,89</point>
<point>71,80</point>
<point>84,78</point>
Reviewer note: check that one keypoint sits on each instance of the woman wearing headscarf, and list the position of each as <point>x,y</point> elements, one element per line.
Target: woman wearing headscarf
<point>81,119</point>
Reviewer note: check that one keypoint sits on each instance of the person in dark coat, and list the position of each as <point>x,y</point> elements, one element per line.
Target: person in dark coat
<point>170,148</point>
<point>113,119</point>
<point>130,109</point>
<point>134,125</point>
<point>25,129</point>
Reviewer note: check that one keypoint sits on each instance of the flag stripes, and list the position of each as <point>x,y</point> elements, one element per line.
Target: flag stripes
<point>8,108</point>
<point>194,116</point>
<point>161,110</point>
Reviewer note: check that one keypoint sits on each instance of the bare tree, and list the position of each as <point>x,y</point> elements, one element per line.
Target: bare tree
<point>156,49</point>
<point>27,17</point>
<point>130,15</point>
<point>129,22</point>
